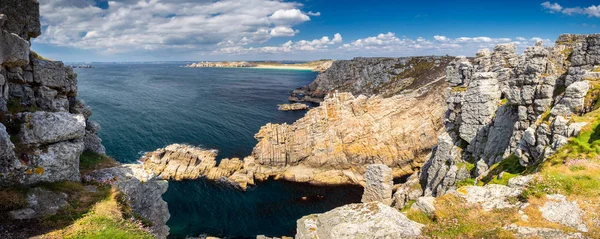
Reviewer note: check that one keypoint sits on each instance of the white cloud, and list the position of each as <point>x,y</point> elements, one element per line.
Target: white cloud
<point>289,17</point>
<point>317,45</point>
<point>166,25</point>
<point>591,11</point>
<point>315,14</point>
<point>552,7</point>
<point>440,38</point>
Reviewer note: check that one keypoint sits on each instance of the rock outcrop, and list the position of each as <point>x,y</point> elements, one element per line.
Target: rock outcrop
<point>379,183</point>
<point>368,220</point>
<point>40,203</point>
<point>43,124</point>
<point>293,107</point>
<point>502,104</point>
<point>224,64</point>
<point>143,190</point>
<point>373,76</point>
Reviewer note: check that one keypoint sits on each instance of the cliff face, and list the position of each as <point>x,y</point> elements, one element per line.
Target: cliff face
<point>44,127</point>
<point>502,104</point>
<point>373,76</point>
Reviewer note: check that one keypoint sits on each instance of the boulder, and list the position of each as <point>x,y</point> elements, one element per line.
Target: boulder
<point>46,127</point>
<point>411,190</point>
<point>491,196</point>
<point>93,143</point>
<point>79,107</point>
<point>57,162</point>
<point>537,232</point>
<point>14,51</point>
<point>573,100</point>
<point>440,172</point>
<point>425,205</point>
<point>7,154</point>
<point>379,184</point>
<point>55,75</point>
<point>368,220</point>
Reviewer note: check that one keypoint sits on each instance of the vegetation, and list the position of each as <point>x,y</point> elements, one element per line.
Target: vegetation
<point>90,161</point>
<point>12,198</point>
<point>38,56</point>
<point>503,171</point>
<point>104,220</point>
<point>14,106</point>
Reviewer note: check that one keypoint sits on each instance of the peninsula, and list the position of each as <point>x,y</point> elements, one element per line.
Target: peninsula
<point>317,66</point>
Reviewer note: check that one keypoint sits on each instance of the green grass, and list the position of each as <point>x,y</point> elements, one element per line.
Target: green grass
<point>14,106</point>
<point>509,168</point>
<point>38,56</point>
<point>90,161</point>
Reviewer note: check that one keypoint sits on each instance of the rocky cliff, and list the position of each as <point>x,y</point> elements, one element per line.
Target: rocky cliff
<point>45,128</point>
<point>373,76</point>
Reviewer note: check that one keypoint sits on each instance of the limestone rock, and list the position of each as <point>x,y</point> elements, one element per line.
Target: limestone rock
<point>93,143</point>
<point>369,220</point>
<point>411,190</point>
<point>143,190</point>
<point>46,127</point>
<point>491,196</point>
<point>558,209</point>
<point>520,181</point>
<point>293,107</point>
<point>14,51</point>
<point>573,100</point>
<point>7,154</point>
<point>55,75</point>
<point>179,162</point>
<point>426,205</point>
<point>379,182</point>
<point>58,162</point>
<point>441,172</point>
<point>78,106</point>
<point>545,233</point>
<point>23,18</point>
<point>40,203</point>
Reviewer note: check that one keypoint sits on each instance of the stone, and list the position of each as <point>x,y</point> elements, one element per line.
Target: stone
<point>368,220</point>
<point>425,205</point>
<point>93,127</point>
<point>79,107</point>
<point>22,18</point>
<point>520,181</point>
<point>3,19</point>
<point>411,190</point>
<point>14,51</point>
<point>46,127</point>
<point>491,196</point>
<point>536,232</point>
<point>575,128</point>
<point>55,75</point>
<point>93,143</point>
<point>379,184</point>
<point>293,107</point>
<point>440,172</point>
<point>7,154</point>
<point>58,162</point>
<point>22,214</point>
<point>573,100</point>
<point>558,209</point>
<point>143,190</point>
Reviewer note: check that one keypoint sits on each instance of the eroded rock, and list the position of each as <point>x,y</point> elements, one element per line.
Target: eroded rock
<point>379,183</point>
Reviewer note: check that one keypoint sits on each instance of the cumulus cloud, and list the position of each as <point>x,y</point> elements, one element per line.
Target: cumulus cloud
<point>591,11</point>
<point>315,14</point>
<point>317,45</point>
<point>174,25</point>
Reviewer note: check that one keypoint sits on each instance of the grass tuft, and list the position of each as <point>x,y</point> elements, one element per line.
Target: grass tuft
<point>90,161</point>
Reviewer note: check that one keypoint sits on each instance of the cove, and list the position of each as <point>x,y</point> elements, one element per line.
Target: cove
<point>146,106</point>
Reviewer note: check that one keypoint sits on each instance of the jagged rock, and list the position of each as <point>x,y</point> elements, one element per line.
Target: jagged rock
<point>14,51</point>
<point>379,182</point>
<point>144,191</point>
<point>441,172</point>
<point>7,154</point>
<point>93,143</point>
<point>179,162</point>
<point>40,203</point>
<point>573,100</point>
<point>558,209</point>
<point>46,127</point>
<point>425,205</point>
<point>411,190</point>
<point>49,100</point>
<point>371,76</point>
<point>58,162</point>
<point>545,233</point>
<point>23,18</point>
<point>335,142</point>
<point>78,106</point>
<point>369,220</point>
<point>293,107</point>
<point>93,127</point>
<point>55,75</point>
<point>491,196</point>
<point>24,93</point>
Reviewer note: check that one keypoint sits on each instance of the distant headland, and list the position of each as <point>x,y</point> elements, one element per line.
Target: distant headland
<point>318,66</point>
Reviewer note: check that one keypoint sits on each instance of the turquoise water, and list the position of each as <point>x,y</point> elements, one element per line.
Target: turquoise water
<point>142,107</point>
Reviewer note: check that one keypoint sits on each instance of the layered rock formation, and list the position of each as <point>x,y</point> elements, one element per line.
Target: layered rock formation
<point>379,183</point>
<point>502,104</point>
<point>293,107</point>
<point>42,123</point>
<point>373,76</point>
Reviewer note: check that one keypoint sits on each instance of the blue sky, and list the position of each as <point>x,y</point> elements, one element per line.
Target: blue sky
<point>198,30</point>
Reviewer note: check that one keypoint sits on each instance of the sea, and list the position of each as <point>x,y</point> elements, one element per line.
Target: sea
<point>145,106</point>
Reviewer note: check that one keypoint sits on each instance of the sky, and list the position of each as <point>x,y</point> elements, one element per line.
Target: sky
<point>215,30</point>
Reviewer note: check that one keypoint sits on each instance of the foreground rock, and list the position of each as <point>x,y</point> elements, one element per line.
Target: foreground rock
<point>293,107</point>
<point>379,183</point>
<point>559,210</point>
<point>143,190</point>
<point>368,220</point>
<point>40,203</point>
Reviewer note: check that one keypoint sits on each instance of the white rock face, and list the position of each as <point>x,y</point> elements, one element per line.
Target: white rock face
<point>559,210</point>
<point>367,220</point>
<point>379,182</point>
<point>46,127</point>
<point>425,204</point>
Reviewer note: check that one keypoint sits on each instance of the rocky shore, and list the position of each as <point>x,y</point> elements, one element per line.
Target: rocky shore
<point>224,64</point>
<point>293,107</point>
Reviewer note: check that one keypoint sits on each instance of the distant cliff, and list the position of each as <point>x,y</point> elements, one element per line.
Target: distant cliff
<point>373,76</point>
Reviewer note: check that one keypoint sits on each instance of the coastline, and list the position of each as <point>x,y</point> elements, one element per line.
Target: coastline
<point>283,67</point>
